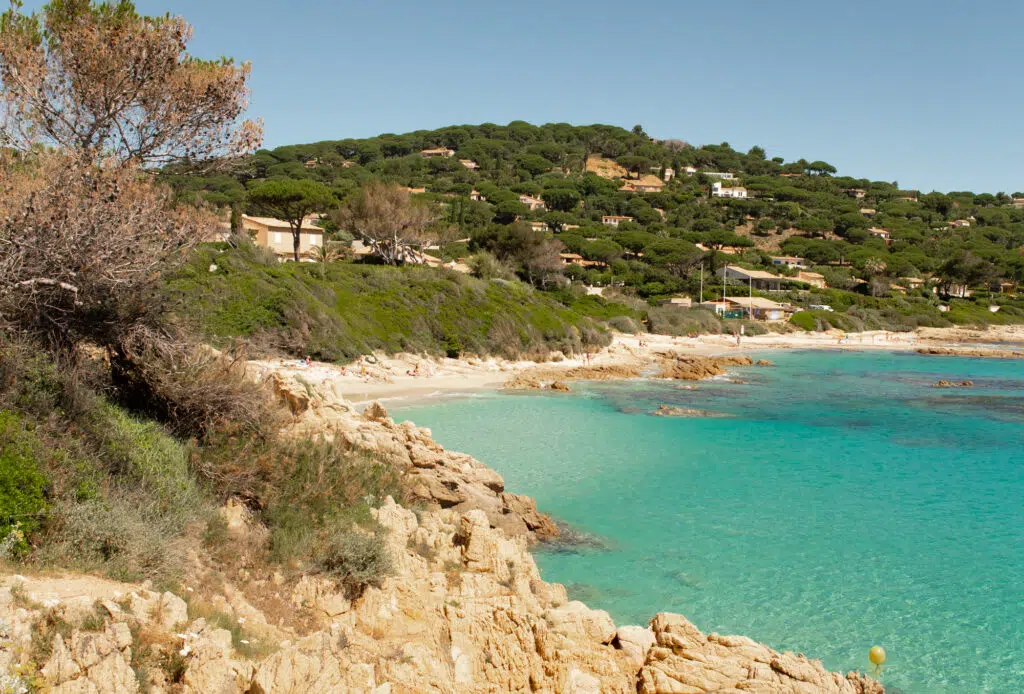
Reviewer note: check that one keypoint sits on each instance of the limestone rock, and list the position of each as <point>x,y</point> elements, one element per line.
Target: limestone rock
<point>685,660</point>
<point>578,622</point>
<point>61,666</point>
<point>312,665</point>
<point>375,412</point>
<point>170,610</point>
<point>635,642</point>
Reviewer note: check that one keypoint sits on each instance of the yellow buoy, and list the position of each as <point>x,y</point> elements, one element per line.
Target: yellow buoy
<point>877,655</point>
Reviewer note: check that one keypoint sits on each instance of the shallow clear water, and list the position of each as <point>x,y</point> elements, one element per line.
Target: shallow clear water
<point>846,504</point>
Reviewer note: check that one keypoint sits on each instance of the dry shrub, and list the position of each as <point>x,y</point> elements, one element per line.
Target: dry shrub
<point>82,246</point>
<point>192,387</point>
<point>355,558</point>
<point>123,536</point>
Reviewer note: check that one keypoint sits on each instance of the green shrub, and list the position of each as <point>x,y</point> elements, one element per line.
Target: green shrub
<point>625,324</point>
<point>343,310</point>
<point>804,320</point>
<point>22,483</point>
<point>672,320</point>
<point>123,535</point>
<point>355,558</point>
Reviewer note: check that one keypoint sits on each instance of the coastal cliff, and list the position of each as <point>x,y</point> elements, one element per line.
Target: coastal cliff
<point>464,609</point>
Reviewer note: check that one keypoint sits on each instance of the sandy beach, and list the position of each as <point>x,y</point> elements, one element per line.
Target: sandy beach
<point>408,376</point>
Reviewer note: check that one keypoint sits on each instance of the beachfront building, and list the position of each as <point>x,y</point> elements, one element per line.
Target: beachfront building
<point>276,235</point>
<point>757,279</point>
<point>760,308</point>
<point>437,152</point>
<point>788,261</point>
<point>677,301</point>
<point>613,220</point>
<point>718,191</point>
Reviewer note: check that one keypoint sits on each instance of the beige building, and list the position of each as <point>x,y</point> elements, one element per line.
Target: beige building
<point>276,235</point>
<point>437,152</point>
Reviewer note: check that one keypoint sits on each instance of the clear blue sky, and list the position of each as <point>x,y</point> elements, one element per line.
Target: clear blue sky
<point>926,93</point>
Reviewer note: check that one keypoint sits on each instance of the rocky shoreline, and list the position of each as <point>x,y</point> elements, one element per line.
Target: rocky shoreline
<point>979,352</point>
<point>465,609</point>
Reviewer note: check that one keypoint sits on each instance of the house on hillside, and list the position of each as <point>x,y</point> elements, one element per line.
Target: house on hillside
<point>908,198</point>
<point>1018,202</point>
<point>276,235</point>
<point>956,224</point>
<point>814,279</point>
<point>613,220</point>
<point>311,163</point>
<point>868,211</point>
<point>469,164</point>
<point>881,233</point>
<point>911,282</point>
<point>717,191</point>
<point>647,184</point>
<point>857,193</point>
<point>414,191</point>
<point>571,258</point>
<point>539,226</point>
<point>437,152</point>
<point>757,279</point>
<point>788,261</point>
<point>532,203</point>
<point>791,175</point>
<point>689,170</point>
<point>725,176</point>
<point>476,196</point>
<point>760,308</point>
<point>668,174</point>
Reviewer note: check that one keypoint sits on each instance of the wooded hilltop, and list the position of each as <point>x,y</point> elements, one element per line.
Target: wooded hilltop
<point>644,220</point>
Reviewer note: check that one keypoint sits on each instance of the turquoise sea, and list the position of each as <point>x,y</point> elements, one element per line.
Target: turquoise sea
<point>847,503</point>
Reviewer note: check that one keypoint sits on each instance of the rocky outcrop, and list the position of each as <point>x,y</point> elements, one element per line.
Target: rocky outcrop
<point>684,660</point>
<point>556,377</point>
<point>670,411</point>
<point>465,611</point>
<point>694,368</point>
<point>438,478</point>
<point>971,352</point>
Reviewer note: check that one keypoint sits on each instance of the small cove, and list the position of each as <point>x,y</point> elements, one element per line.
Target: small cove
<point>846,503</point>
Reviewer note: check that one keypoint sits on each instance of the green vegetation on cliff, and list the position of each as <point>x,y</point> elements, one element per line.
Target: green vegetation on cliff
<point>337,311</point>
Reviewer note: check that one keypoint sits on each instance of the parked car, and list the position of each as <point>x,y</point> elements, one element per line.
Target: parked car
<point>820,307</point>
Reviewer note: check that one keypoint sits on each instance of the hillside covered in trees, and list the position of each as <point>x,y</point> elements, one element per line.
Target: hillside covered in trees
<point>651,217</point>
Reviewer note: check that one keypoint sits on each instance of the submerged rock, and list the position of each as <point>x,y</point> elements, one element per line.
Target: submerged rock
<point>669,411</point>
<point>953,384</point>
